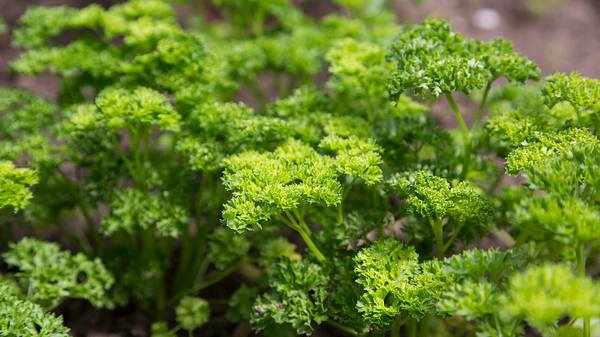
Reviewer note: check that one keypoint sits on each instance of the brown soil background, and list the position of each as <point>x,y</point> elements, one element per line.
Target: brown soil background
<point>565,37</point>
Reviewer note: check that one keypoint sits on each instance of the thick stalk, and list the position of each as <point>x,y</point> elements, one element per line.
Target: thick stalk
<point>580,255</point>
<point>452,238</point>
<point>311,245</point>
<point>438,233</point>
<point>396,325</point>
<point>466,134</point>
<point>424,327</point>
<point>300,226</point>
<point>412,328</point>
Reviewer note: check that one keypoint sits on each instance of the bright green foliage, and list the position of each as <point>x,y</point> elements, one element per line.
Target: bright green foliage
<point>356,158</point>
<point>478,264</point>
<point>48,275</point>
<point>133,210</point>
<point>359,73</point>
<point>542,295</point>
<point>394,282</point>
<point>216,130</point>
<point>273,250</point>
<point>192,313</point>
<point>264,184</point>
<point>563,163</point>
<point>3,27</point>
<point>582,93</point>
<point>475,295</point>
<point>470,299</point>
<point>20,318</point>
<point>570,219</point>
<point>161,329</point>
<point>24,118</point>
<point>14,186</point>
<point>434,199</point>
<point>297,297</point>
<point>362,6</point>
<point>131,109</point>
<point>253,13</point>
<point>430,58</point>
<point>225,247</point>
<point>155,51</point>
<point>258,115</point>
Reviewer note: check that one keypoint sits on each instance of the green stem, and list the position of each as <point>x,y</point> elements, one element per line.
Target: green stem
<point>301,222</point>
<point>258,23</point>
<point>580,255</point>
<point>453,237</point>
<point>73,189</point>
<point>311,245</point>
<point>342,327</point>
<point>477,119</point>
<point>436,226</point>
<point>412,328</point>
<point>216,277</point>
<point>396,325</point>
<point>466,133</point>
<point>340,214</point>
<point>300,226</point>
<point>208,281</point>
<point>424,327</point>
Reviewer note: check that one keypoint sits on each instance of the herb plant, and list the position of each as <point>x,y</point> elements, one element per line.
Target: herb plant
<point>294,175</point>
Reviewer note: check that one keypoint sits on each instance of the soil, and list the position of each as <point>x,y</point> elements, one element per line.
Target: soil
<point>564,36</point>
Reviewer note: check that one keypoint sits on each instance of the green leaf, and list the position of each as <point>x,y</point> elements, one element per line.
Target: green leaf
<point>581,92</point>
<point>470,299</point>
<point>14,186</point>
<point>49,275</point>
<point>128,109</point>
<point>563,163</point>
<point>432,197</point>
<point>241,304</point>
<point>297,297</point>
<point>226,247</point>
<point>542,295</point>
<point>569,220</point>
<point>161,329</point>
<point>477,264</point>
<point>394,281</point>
<point>269,183</point>
<point>133,210</point>
<point>355,157</point>
<point>431,59</point>
<point>24,126</point>
<point>20,318</point>
<point>192,313</point>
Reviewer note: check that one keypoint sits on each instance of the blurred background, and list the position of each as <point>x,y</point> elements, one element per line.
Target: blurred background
<point>560,35</point>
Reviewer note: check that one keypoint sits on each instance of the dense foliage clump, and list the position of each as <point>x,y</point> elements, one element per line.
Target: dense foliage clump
<point>273,171</point>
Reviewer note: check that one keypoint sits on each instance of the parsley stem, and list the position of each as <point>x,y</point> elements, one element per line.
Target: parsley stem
<point>311,245</point>
<point>412,327</point>
<point>302,228</point>
<point>396,325</point>
<point>467,135</point>
<point>486,93</point>
<point>453,237</point>
<point>436,226</point>
<point>342,327</point>
<point>580,256</point>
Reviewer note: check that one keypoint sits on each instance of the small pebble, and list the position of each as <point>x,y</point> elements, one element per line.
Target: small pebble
<point>486,19</point>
